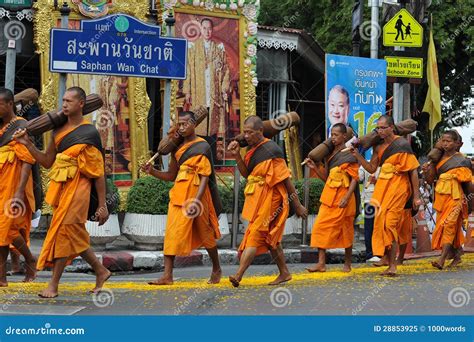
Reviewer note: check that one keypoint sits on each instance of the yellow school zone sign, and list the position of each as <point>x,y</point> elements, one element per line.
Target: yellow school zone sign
<point>403,30</point>
<point>404,67</point>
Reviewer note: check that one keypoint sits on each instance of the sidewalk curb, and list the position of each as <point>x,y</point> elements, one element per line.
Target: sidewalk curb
<point>132,261</point>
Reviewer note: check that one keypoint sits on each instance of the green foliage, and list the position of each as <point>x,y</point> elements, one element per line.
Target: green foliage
<point>316,187</point>
<point>149,195</point>
<point>227,197</point>
<point>330,23</point>
<point>112,197</point>
<point>453,33</point>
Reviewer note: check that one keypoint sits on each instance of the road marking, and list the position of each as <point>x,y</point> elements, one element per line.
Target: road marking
<point>41,309</point>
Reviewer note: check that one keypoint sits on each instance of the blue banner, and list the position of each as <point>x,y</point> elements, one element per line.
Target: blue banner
<point>355,92</point>
<point>237,328</point>
<point>118,45</point>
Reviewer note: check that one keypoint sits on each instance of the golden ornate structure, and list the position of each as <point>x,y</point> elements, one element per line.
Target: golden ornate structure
<point>245,11</point>
<point>47,17</point>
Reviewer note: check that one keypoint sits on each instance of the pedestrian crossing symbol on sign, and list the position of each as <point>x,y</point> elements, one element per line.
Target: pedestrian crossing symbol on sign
<point>403,30</point>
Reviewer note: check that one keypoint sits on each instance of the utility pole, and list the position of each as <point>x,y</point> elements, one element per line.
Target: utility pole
<point>399,113</point>
<point>375,31</point>
<point>170,20</point>
<point>65,11</point>
<point>357,16</point>
<point>12,41</point>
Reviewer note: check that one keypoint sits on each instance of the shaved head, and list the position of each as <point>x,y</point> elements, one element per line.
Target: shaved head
<point>387,119</point>
<point>255,122</point>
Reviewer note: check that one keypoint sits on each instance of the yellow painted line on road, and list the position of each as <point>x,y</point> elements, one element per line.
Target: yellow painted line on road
<point>333,274</point>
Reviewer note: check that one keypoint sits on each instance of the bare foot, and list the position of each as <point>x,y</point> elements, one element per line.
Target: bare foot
<point>400,261</point>
<point>282,278</point>
<point>380,263</point>
<point>3,283</point>
<point>437,265</point>
<point>317,268</point>
<point>215,277</point>
<point>234,281</point>
<point>162,281</point>
<point>100,279</point>
<point>389,272</point>
<point>347,268</point>
<point>30,271</point>
<point>456,261</point>
<point>50,292</point>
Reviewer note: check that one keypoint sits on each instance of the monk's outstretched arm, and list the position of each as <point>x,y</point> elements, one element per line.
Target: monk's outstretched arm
<point>102,212</point>
<point>299,209</point>
<point>24,175</point>
<point>234,149</point>
<point>169,175</point>
<point>241,165</point>
<point>345,199</point>
<point>415,183</point>
<point>45,159</point>
<point>371,166</point>
<point>202,186</point>
<point>429,173</point>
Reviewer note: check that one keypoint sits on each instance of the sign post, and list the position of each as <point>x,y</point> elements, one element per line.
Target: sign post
<point>16,5</point>
<point>407,67</point>
<point>120,45</point>
<point>403,30</point>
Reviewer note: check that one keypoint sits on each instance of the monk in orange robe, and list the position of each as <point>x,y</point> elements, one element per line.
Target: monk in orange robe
<point>75,155</point>
<point>398,180</point>
<point>334,226</point>
<point>405,232</point>
<point>269,193</point>
<point>17,201</point>
<point>453,174</point>
<point>194,201</point>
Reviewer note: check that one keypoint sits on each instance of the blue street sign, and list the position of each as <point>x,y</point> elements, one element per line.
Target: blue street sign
<point>118,45</point>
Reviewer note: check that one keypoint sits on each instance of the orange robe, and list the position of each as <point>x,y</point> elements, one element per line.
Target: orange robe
<point>405,228</point>
<point>183,233</point>
<point>334,226</point>
<point>69,195</point>
<point>449,206</point>
<point>391,193</point>
<point>12,157</point>
<point>266,205</point>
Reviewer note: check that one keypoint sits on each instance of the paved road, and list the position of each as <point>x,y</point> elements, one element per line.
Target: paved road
<point>418,290</point>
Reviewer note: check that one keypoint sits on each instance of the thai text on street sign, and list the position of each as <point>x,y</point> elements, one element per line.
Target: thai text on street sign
<point>403,30</point>
<point>409,67</point>
<point>16,4</point>
<point>355,92</point>
<point>118,45</point>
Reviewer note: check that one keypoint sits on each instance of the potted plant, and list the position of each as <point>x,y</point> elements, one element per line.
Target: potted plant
<point>316,186</point>
<point>147,208</point>
<point>227,199</point>
<point>110,230</point>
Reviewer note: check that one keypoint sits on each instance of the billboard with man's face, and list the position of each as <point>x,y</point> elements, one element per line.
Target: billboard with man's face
<point>355,92</point>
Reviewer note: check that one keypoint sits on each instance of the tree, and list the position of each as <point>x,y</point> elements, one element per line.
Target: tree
<point>330,24</point>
